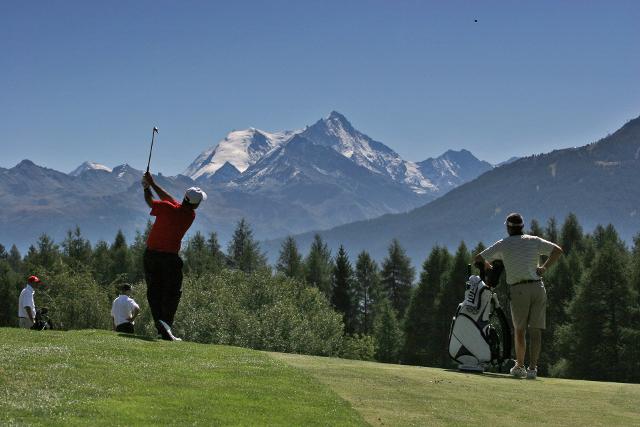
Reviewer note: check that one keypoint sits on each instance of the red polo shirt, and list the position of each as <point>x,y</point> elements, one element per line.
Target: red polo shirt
<point>172,221</point>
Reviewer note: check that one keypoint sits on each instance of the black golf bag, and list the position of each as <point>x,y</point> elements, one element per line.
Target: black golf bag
<point>480,333</point>
<point>42,320</point>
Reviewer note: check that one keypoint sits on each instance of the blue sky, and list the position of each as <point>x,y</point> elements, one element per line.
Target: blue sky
<point>88,80</point>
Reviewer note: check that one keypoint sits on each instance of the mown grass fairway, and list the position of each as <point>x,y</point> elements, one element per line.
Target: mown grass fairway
<point>99,378</point>
<point>406,395</point>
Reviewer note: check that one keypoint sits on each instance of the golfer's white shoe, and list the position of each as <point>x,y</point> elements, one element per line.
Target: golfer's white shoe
<point>167,335</point>
<point>532,374</point>
<point>518,371</point>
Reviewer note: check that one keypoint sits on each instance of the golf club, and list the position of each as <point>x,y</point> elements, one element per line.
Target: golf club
<point>153,134</point>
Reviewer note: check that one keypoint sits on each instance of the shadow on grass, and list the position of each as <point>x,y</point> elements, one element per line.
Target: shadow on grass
<point>136,337</point>
<point>484,374</point>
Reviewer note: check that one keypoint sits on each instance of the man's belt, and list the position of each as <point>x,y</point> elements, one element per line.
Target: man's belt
<point>522,282</point>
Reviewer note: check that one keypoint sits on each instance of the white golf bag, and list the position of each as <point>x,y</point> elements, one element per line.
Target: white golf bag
<point>474,341</point>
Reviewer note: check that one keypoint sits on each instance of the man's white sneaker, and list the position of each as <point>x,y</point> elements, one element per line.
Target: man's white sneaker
<point>167,335</point>
<point>518,371</point>
<point>532,374</point>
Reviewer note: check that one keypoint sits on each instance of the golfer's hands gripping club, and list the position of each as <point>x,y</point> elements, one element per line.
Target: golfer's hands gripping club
<point>147,180</point>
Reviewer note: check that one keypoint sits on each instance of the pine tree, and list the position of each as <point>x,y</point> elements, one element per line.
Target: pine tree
<point>397,277</point>
<point>551,232</point>
<point>535,229</point>
<point>15,260</point>
<point>451,294</point>
<point>422,340</point>
<point>3,252</point>
<point>121,261</point>
<point>594,342</point>
<point>367,291</point>
<point>244,252</point>
<point>196,255</point>
<point>290,261</point>
<point>76,249</point>
<point>560,284</point>
<point>217,259</point>
<point>44,257</point>
<point>136,251</point>
<point>342,285</point>
<point>101,263</point>
<point>318,266</point>
<point>8,294</point>
<point>571,235</point>
<point>387,333</point>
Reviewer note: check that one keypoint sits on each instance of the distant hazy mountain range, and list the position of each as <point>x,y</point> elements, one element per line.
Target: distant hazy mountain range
<point>288,182</point>
<point>599,182</point>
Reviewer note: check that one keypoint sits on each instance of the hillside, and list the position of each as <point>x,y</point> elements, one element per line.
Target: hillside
<point>597,182</point>
<point>100,378</point>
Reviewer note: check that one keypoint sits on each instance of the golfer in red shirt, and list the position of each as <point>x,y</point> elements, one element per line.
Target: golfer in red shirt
<point>162,265</point>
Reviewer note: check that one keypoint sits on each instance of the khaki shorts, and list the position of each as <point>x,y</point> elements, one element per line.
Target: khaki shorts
<point>529,305</point>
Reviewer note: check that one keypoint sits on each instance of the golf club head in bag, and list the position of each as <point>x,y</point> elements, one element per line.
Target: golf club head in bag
<point>479,334</point>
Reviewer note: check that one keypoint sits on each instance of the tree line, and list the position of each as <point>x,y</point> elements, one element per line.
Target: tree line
<point>332,304</point>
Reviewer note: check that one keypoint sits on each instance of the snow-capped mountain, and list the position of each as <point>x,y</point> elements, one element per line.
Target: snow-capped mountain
<point>452,169</point>
<point>336,132</point>
<point>239,149</point>
<point>87,166</point>
<point>283,183</point>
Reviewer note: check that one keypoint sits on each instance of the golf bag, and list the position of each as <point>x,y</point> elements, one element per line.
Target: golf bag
<point>42,320</point>
<point>480,333</point>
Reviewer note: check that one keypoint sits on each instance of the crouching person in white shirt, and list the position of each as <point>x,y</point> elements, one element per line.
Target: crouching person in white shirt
<point>124,311</point>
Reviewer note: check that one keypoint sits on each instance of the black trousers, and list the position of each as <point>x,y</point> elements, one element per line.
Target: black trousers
<point>163,274</point>
<point>126,327</point>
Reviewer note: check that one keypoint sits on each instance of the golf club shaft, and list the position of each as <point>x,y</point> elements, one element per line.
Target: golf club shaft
<point>153,134</point>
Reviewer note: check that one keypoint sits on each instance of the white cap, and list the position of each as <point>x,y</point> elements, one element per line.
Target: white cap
<point>195,195</point>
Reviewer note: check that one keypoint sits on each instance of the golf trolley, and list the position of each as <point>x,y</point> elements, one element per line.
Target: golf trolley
<point>42,320</point>
<point>480,335</point>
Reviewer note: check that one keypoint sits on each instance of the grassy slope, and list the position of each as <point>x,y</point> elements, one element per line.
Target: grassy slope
<point>408,395</point>
<point>99,378</point>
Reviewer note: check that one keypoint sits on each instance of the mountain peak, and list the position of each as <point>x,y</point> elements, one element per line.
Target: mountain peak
<point>334,115</point>
<point>86,166</point>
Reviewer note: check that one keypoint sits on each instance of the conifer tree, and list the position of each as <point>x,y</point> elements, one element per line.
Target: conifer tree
<point>290,261</point>
<point>422,340</point>
<point>121,262</point>
<point>451,294</point>
<point>76,249</point>
<point>3,252</point>
<point>318,266</point>
<point>244,252</point>
<point>217,259</point>
<point>196,255</point>
<point>551,232</point>
<point>46,256</point>
<point>136,251</point>
<point>560,283</point>
<point>101,263</point>
<point>397,277</point>
<point>595,341</point>
<point>8,294</point>
<point>387,333</point>
<point>571,235</point>
<point>15,259</point>
<point>535,229</point>
<point>342,284</point>
<point>367,291</point>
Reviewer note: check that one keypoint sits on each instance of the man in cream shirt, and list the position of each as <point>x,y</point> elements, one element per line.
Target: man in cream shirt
<point>26,304</point>
<point>520,254</point>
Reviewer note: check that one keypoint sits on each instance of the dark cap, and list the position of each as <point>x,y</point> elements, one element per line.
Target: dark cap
<point>514,220</point>
<point>125,287</point>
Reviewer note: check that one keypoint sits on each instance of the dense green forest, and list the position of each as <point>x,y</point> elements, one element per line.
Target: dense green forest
<point>337,304</point>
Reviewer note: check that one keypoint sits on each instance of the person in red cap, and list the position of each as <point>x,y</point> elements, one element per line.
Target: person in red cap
<point>26,304</point>
<point>162,264</point>
<point>520,254</point>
